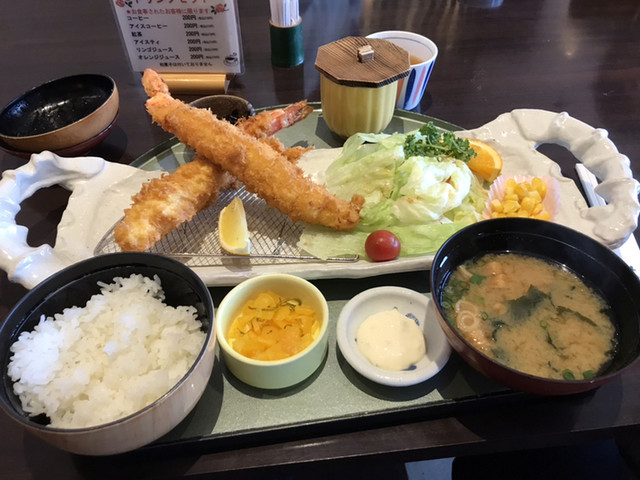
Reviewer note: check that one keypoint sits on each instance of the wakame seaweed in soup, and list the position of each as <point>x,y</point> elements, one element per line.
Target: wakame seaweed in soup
<point>531,315</point>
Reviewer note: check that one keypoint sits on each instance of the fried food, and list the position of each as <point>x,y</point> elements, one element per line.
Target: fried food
<point>263,125</point>
<point>263,170</point>
<point>166,202</point>
<point>153,83</point>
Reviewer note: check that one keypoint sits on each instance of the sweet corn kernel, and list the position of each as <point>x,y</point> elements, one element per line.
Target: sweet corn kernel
<point>510,206</point>
<point>536,196</point>
<point>540,186</point>
<point>522,199</point>
<point>527,204</point>
<point>521,190</point>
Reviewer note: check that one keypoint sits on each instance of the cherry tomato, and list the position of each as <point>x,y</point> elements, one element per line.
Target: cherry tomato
<point>382,245</point>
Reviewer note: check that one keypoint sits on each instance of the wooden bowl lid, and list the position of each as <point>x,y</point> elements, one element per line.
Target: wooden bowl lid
<point>349,61</point>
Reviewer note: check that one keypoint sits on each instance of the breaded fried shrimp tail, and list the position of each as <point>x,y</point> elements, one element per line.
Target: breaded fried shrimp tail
<point>264,171</point>
<point>166,202</point>
<point>269,122</point>
<point>274,120</point>
<point>153,83</point>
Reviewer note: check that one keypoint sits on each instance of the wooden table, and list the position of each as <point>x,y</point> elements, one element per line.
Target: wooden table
<point>579,56</point>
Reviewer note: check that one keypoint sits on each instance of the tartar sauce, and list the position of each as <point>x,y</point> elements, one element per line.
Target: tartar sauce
<point>391,340</point>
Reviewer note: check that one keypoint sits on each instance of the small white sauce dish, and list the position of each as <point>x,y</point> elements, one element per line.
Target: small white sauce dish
<point>409,302</point>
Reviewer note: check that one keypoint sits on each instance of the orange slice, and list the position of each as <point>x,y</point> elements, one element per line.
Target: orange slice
<point>487,163</point>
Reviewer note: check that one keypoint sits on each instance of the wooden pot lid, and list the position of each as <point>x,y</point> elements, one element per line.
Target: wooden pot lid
<point>363,62</point>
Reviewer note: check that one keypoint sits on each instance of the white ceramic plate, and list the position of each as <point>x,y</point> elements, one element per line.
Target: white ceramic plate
<point>410,303</point>
<point>101,191</point>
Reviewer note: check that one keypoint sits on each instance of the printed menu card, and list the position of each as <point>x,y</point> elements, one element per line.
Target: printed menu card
<point>182,36</point>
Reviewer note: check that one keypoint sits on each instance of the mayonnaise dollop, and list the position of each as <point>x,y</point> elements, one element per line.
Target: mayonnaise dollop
<point>391,340</point>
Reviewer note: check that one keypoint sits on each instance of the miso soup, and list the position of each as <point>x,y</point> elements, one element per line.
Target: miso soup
<point>531,315</point>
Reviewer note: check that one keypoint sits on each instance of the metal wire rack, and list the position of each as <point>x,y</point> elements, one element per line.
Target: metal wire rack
<point>274,237</point>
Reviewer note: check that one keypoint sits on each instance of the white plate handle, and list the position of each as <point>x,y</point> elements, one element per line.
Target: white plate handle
<point>520,132</point>
<point>25,264</point>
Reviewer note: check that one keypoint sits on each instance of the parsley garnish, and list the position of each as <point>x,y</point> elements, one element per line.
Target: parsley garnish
<point>431,142</point>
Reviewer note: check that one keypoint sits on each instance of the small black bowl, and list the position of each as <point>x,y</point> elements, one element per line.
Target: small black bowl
<point>596,264</point>
<point>74,285</point>
<point>60,114</point>
<point>226,107</point>
<point>77,150</point>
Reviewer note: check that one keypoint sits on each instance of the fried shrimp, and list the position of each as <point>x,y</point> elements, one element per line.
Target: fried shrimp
<point>175,198</point>
<point>166,202</point>
<point>264,170</point>
<point>263,125</point>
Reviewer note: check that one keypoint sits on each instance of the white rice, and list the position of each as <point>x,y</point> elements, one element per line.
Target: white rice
<point>121,352</point>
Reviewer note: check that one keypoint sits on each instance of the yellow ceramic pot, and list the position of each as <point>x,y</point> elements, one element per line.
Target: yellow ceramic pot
<point>359,82</point>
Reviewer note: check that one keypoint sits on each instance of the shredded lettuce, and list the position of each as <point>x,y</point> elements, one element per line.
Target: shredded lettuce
<point>423,200</point>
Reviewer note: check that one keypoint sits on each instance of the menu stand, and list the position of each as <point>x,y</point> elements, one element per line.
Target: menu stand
<point>196,83</point>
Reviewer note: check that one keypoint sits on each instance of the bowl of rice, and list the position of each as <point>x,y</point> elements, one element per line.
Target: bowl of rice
<point>109,354</point>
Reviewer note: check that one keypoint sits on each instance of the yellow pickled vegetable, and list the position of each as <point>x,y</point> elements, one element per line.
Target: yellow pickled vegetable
<point>521,199</point>
<point>271,327</point>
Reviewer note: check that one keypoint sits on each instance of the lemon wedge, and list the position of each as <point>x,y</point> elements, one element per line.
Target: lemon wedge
<point>232,228</point>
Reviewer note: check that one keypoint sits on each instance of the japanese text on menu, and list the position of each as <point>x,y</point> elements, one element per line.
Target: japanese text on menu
<point>197,36</point>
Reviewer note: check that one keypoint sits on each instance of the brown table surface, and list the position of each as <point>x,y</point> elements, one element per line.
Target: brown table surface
<point>580,56</point>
